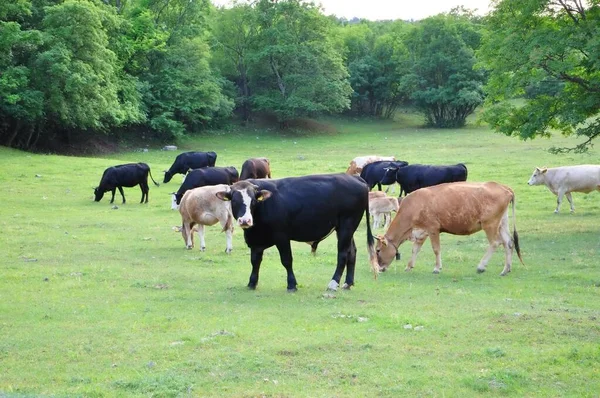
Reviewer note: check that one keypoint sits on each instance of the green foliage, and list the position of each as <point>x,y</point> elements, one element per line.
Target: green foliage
<point>533,43</point>
<point>443,83</point>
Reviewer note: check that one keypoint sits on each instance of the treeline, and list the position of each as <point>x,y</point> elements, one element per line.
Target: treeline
<point>75,68</point>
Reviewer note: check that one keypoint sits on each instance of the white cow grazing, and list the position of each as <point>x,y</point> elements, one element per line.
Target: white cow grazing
<point>566,179</point>
<point>200,207</point>
<point>382,207</point>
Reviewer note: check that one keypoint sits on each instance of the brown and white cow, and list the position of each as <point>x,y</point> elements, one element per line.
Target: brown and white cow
<point>458,208</point>
<point>357,164</point>
<point>381,208</point>
<point>256,168</point>
<point>200,207</point>
<point>561,181</point>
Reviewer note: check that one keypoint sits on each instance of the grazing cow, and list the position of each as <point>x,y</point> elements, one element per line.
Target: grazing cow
<point>566,179</point>
<point>124,175</point>
<point>200,207</point>
<point>190,160</point>
<point>382,207</point>
<point>459,208</point>
<point>417,176</point>
<point>357,164</point>
<point>256,168</point>
<point>206,176</point>
<point>303,209</point>
<point>374,172</point>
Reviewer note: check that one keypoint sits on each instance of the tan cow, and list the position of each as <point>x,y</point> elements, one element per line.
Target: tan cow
<point>200,207</point>
<point>458,208</point>
<point>382,207</point>
<point>357,164</point>
<point>566,179</point>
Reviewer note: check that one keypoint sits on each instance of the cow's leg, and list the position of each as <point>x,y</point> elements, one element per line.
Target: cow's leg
<point>122,194</point>
<point>418,237</point>
<point>350,266</point>
<point>113,195</point>
<point>344,236</point>
<point>200,230</point>
<point>379,186</point>
<point>559,197</point>
<point>570,199</point>
<point>285,255</point>
<point>435,244</point>
<point>187,232</point>
<point>256,256</point>
<point>145,189</point>
<point>507,242</point>
<point>492,231</point>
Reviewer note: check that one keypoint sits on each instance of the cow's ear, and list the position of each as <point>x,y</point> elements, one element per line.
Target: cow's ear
<point>263,195</point>
<point>382,239</point>
<point>544,170</point>
<point>223,195</point>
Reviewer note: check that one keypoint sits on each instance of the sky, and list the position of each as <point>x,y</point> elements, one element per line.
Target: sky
<point>392,9</point>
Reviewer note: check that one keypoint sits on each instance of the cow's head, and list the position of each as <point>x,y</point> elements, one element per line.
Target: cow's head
<point>168,176</point>
<point>98,194</point>
<point>389,177</point>
<point>386,252</point>
<point>244,197</point>
<point>538,176</point>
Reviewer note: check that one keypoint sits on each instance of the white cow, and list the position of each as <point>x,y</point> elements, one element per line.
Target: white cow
<point>566,179</point>
<point>357,164</point>
<point>382,207</point>
<point>200,207</point>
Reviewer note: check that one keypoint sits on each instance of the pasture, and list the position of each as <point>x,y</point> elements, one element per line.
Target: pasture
<point>99,302</point>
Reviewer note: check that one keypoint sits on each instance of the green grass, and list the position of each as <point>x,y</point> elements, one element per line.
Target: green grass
<point>96,301</point>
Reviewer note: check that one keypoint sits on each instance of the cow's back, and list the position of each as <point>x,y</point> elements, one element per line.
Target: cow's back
<point>202,205</point>
<point>580,178</point>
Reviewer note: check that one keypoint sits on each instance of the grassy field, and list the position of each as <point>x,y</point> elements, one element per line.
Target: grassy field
<point>102,302</point>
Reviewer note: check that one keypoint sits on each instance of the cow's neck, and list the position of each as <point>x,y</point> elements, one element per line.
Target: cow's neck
<point>398,232</point>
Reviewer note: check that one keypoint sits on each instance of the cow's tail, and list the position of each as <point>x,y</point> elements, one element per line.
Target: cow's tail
<point>150,173</point>
<point>371,244</point>
<point>515,235</point>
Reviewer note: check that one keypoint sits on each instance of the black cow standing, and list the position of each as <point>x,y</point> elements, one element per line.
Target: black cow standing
<point>124,175</point>
<point>207,176</point>
<point>303,209</point>
<point>190,160</point>
<point>416,176</point>
<point>374,172</point>
<point>256,168</point>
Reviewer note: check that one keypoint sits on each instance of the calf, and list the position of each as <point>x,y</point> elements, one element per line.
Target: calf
<point>566,179</point>
<point>124,175</point>
<point>459,208</point>
<point>190,160</point>
<point>206,176</point>
<point>357,164</point>
<point>382,207</point>
<point>256,168</point>
<point>417,176</point>
<point>200,207</point>
<point>373,173</point>
<point>303,209</point>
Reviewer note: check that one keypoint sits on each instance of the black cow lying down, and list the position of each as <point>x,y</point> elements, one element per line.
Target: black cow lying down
<point>417,176</point>
<point>190,160</point>
<point>124,175</point>
<point>303,209</point>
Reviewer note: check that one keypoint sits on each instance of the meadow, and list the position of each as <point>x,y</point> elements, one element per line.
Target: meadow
<point>98,301</point>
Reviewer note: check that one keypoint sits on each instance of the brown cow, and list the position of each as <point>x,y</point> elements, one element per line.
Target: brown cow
<point>357,164</point>
<point>459,208</point>
<point>256,168</point>
<point>200,207</point>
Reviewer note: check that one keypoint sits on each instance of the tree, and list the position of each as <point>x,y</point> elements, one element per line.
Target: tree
<point>443,83</point>
<point>296,69</point>
<point>544,43</point>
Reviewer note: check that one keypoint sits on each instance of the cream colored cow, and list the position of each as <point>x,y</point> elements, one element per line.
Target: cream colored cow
<point>357,164</point>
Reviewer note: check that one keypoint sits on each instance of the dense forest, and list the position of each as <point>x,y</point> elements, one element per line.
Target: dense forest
<point>74,69</point>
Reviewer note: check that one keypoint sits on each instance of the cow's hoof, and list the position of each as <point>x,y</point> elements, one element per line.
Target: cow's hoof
<point>346,286</point>
<point>333,285</point>
<point>251,287</point>
<point>227,251</point>
<point>480,270</point>
<point>504,273</point>
<point>436,271</point>
<point>189,247</point>
<point>292,290</point>
<point>203,248</point>
<point>407,269</point>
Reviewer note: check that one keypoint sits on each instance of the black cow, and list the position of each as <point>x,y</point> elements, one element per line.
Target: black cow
<point>374,172</point>
<point>416,176</point>
<point>303,209</point>
<point>256,168</point>
<point>190,160</point>
<point>124,175</point>
<point>207,176</point>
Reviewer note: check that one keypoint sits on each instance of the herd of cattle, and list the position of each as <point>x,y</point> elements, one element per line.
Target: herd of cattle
<point>274,212</point>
